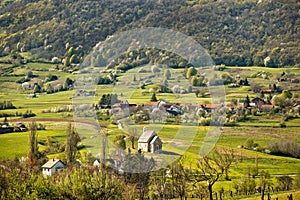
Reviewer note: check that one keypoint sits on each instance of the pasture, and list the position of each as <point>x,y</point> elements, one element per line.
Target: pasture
<point>263,128</point>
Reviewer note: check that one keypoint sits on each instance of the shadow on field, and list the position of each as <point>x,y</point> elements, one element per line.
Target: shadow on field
<point>170,153</point>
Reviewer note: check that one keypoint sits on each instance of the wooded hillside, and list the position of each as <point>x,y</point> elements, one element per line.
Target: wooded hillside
<point>240,32</point>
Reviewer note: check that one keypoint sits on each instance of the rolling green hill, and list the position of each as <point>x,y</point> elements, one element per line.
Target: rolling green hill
<point>234,32</point>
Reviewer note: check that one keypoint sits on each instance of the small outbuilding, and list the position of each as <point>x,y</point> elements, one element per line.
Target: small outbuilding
<point>32,95</point>
<point>295,80</point>
<point>97,163</point>
<point>149,142</point>
<point>25,86</point>
<point>20,127</point>
<point>52,166</point>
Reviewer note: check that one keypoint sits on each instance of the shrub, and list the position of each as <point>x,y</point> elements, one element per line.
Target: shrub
<point>285,148</point>
<point>249,143</point>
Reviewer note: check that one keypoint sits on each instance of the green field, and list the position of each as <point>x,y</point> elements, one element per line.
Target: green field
<point>280,196</point>
<point>263,128</point>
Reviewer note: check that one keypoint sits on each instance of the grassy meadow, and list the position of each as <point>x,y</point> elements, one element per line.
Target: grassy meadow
<point>262,129</point>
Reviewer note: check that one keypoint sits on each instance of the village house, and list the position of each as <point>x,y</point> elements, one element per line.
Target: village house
<point>9,128</point>
<point>151,105</point>
<point>295,80</point>
<point>123,106</point>
<point>52,166</point>
<point>230,107</point>
<point>265,108</point>
<point>266,91</point>
<point>21,127</point>
<point>210,107</point>
<point>174,110</point>
<point>258,101</point>
<point>96,163</point>
<point>25,86</point>
<point>6,129</point>
<point>297,103</point>
<point>149,141</point>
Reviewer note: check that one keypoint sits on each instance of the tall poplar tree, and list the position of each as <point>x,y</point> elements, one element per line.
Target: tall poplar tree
<point>33,144</point>
<point>71,144</point>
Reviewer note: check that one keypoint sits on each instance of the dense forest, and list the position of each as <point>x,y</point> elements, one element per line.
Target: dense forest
<point>234,32</point>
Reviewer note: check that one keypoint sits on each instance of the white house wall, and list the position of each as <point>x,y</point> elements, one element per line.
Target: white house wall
<point>143,146</point>
<point>56,167</point>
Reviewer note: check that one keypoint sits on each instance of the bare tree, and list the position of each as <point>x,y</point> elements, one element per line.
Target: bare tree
<point>212,167</point>
<point>137,170</point>
<point>256,88</point>
<point>160,184</point>
<point>180,179</point>
<point>285,182</point>
<point>264,182</point>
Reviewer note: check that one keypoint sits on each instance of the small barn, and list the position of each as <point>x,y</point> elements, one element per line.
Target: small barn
<point>25,86</point>
<point>52,166</point>
<point>149,142</point>
<point>20,127</point>
<point>32,95</point>
<point>97,163</point>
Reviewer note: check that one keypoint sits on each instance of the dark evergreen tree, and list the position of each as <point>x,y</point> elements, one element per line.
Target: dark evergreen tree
<point>246,83</point>
<point>153,98</point>
<point>247,102</point>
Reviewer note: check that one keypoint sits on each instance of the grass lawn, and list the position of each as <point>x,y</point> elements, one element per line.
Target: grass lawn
<point>40,66</point>
<point>13,145</point>
<point>16,144</point>
<point>280,196</point>
<point>262,129</point>
<point>184,144</point>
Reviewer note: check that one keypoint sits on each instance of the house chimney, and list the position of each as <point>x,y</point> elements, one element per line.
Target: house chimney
<point>144,129</point>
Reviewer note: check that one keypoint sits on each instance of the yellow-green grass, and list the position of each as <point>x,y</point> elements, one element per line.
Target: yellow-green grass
<point>262,121</point>
<point>293,122</point>
<point>40,66</point>
<point>231,137</point>
<point>16,144</point>
<point>5,65</point>
<point>228,187</point>
<point>246,71</point>
<point>280,196</point>
<point>13,91</point>
<point>27,55</point>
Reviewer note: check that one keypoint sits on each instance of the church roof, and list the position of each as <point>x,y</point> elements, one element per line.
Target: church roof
<point>154,139</point>
<point>147,136</point>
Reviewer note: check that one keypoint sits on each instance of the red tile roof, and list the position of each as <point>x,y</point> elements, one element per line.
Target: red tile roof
<point>151,103</point>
